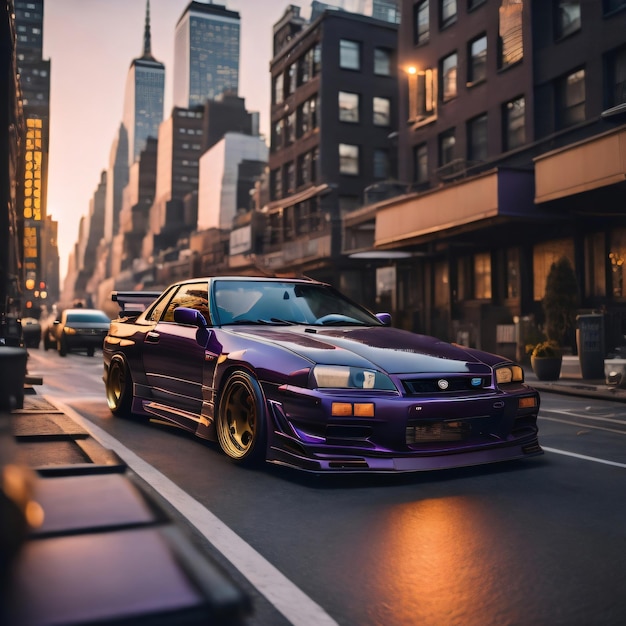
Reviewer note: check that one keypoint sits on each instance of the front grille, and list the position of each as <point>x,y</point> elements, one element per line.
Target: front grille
<point>446,384</point>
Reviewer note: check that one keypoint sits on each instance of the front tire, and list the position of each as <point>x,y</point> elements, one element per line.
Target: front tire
<point>119,387</point>
<point>62,347</point>
<point>240,424</point>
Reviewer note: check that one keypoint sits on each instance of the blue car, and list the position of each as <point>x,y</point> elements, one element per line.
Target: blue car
<point>291,372</point>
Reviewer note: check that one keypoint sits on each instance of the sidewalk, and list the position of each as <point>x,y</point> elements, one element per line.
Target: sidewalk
<point>572,383</point>
<point>84,541</point>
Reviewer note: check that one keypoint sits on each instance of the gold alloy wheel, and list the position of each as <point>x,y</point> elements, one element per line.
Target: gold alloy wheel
<point>240,418</point>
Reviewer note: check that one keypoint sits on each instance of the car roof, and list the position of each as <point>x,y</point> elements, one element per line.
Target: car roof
<point>238,278</point>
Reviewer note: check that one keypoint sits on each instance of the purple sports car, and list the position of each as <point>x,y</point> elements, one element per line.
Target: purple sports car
<point>294,373</point>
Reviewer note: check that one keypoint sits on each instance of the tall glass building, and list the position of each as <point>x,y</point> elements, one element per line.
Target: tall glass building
<point>143,102</point>
<point>206,54</point>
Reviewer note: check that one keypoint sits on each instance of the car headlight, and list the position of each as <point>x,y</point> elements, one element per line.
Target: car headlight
<point>69,330</point>
<point>343,377</point>
<point>509,374</point>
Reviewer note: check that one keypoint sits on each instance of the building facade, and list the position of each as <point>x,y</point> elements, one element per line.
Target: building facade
<point>206,54</point>
<point>509,144</point>
<point>333,113</point>
<point>41,258</point>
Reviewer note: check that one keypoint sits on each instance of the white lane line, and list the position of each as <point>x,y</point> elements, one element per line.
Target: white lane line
<point>288,599</point>
<point>586,426</point>
<point>585,457</point>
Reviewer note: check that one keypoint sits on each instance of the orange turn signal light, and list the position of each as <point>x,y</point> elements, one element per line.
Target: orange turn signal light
<point>527,403</point>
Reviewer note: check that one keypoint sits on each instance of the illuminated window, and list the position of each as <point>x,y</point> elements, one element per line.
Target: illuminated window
<point>617,258</point>
<point>482,276</point>
<point>348,106</point>
<point>544,255</point>
<point>448,72</point>
<point>510,33</point>
<point>382,111</point>
<point>348,159</point>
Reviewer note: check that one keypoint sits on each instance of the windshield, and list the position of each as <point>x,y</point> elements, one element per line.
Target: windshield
<point>287,303</point>
<point>88,317</point>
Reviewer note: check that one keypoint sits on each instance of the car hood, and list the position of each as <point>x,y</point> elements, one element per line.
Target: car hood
<point>390,349</point>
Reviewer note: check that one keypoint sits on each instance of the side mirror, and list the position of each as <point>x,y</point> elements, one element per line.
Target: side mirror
<point>191,317</point>
<point>384,318</point>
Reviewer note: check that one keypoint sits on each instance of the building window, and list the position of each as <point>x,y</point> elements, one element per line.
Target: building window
<point>421,22</point>
<point>382,62</point>
<point>276,178</point>
<point>510,33</point>
<point>291,128</point>
<point>277,134</point>
<point>482,276</point>
<point>278,91</point>
<point>317,59</point>
<point>514,131</point>
<point>304,67</point>
<point>448,10</point>
<point>304,169</point>
<point>315,159</point>
<point>477,67</point>
<point>512,273</point>
<point>348,159</point>
<point>381,164</point>
<point>611,6</point>
<point>420,164</point>
<point>544,255</point>
<point>616,77</point>
<point>291,177</point>
<point>348,107</point>
<point>382,111</point>
<point>567,18</point>
<point>617,258</point>
<point>477,138</point>
<point>472,4</point>
<point>570,99</point>
<point>349,55</point>
<point>422,98</point>
<point>447,141</point>
<point>291,78</point>
<point>595,265</point>
<point>448,73</point>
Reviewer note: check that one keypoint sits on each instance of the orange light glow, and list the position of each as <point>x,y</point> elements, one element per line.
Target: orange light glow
<point>341,409</point>
<point>527,403</point>
<point>364,409</point>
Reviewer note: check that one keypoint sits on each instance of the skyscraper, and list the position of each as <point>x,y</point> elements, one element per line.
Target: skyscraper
<point>206,54</point>
<point>40,247</point>
<point>143,103</point>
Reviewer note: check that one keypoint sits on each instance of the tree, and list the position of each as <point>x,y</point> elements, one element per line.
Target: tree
<point>560,303</point>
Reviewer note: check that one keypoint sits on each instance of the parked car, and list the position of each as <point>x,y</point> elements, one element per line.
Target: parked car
<point>294,373</point>
<point>78,329</point>
<point>31,332</point>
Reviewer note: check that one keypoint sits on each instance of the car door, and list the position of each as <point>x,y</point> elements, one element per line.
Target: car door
<point>174,362</point>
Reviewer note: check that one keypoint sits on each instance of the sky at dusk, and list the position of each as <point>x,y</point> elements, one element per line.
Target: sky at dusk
<point>91,44</point>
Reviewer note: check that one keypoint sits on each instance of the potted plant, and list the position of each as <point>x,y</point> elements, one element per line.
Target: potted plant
<point>546,359</point>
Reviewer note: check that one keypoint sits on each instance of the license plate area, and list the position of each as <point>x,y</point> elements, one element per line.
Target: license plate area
<point>432,432</point>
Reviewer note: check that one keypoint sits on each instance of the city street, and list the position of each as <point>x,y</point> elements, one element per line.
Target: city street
<point>538,542</point>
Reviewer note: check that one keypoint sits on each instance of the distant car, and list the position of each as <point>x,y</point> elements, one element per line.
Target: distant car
<point>78,329</point>
<point>31,331</point>
<point>294,373</point>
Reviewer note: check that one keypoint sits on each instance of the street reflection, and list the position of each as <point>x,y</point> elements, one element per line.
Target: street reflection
<point>440,560</point>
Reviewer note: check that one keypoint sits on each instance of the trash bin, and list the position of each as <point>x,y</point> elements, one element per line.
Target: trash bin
<point>590,343</point>
<point>12,377</point>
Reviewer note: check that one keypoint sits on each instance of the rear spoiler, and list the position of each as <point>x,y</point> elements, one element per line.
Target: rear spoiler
<point>134,302</point>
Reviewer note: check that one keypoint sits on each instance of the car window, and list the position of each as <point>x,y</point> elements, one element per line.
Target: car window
<point>155,314</point>
<point>89,317</point>
<point>192,296</point>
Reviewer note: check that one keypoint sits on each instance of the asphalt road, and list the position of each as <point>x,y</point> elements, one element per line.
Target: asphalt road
<point>525,543</point>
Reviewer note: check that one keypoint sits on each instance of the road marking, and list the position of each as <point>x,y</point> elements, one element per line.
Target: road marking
<point>286,597</point>
<point>579,425</point>
<point>585,457</point>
